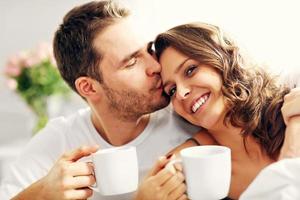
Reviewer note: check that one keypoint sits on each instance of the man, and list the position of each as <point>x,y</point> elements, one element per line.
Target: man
<point>102,57</point>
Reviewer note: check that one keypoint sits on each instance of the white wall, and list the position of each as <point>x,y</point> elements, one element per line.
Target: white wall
<point>269,29</point>
<point>23,25</point>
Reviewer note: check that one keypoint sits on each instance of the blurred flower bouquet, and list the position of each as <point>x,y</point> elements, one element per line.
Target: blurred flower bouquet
<point>35,77</point>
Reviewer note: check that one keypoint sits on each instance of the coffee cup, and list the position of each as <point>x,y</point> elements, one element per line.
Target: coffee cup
<point>207,171</point>
<point>116,170</point>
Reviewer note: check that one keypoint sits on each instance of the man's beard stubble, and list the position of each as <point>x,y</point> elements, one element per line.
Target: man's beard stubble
<point>131,105</point>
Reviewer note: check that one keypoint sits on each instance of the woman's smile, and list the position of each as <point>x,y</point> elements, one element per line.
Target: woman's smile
<point>199,103</point>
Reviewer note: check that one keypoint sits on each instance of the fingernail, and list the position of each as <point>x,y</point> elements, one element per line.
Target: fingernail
<point>161,158</point>
<point>169,156</point>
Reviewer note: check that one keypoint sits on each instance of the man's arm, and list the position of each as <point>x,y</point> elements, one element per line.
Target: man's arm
<point>67,179</point>
<point>34,192</point>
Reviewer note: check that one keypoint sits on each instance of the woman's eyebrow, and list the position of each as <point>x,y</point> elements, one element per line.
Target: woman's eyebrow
<point>177,70</point>
<point>181,65</point>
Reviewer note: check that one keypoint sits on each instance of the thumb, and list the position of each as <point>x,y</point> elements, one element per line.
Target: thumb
<point>159,165</point>
<point>79,153</point>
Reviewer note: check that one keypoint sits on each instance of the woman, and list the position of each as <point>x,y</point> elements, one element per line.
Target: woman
<point>213,86</point>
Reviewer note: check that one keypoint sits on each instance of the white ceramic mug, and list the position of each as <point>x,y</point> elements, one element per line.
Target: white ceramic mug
<point>116,170</point>
<point>207,171</point>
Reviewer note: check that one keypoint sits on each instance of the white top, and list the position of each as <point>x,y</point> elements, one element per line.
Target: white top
<point>164,131</point>
<point>278,181</point>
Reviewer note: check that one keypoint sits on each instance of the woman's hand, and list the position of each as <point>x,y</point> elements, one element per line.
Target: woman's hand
<point>162,184</point>
<point>291,105</point>
<point>291,145</point>
<point>291,115</point>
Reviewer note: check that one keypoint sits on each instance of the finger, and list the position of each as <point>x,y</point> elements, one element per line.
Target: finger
<point>183,197</point>
<point>171,167</point>
<point>81,168</point>
<point>80,152</point>
<point>290,109</point>
<point>81,182</point>
<point>173,183</point>
<point>163,176</point>
<point>171,164</point>
<point>159,165</point>
<point>178,167</point>
<point>178,192</point>
<point>295,91</point>
<point>82,193</point>
<point>292,94</point>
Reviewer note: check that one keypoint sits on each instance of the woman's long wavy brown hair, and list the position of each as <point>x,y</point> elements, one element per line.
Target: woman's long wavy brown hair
<point>252,97</point>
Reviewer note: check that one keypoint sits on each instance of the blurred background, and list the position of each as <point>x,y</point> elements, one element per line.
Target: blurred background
<point>268,30</point>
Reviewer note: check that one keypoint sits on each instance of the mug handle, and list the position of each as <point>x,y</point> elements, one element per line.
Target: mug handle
<point>170,166</point>
<point>93,187</point>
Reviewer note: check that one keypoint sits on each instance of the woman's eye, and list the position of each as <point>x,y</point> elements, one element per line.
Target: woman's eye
<point>172,91</point>
<point>190,70</point>
<point>131,62</point>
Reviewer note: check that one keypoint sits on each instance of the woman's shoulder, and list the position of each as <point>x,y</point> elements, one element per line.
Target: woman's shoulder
<point>205,138</point>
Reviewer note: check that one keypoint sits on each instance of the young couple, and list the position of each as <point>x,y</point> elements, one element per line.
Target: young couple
<point>103,58</point>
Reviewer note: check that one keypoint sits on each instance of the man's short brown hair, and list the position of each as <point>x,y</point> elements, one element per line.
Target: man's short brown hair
<point>73,42</point>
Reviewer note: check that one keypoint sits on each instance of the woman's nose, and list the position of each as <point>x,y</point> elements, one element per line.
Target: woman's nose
<point>182,93</point>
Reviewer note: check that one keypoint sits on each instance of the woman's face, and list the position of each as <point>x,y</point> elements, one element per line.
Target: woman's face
<point>195,89</point>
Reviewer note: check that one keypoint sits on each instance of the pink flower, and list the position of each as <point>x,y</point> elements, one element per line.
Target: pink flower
<point>41,53</point>
<point>12,83</point>
<point>13,67</point>
<point>24,59</point>
<point>29,59</point>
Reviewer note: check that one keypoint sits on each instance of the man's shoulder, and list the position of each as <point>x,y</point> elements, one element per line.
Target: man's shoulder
<point>70,121</point>
<point>61,127</point>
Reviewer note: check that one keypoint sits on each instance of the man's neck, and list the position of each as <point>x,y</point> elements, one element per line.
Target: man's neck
<point>117,131</point>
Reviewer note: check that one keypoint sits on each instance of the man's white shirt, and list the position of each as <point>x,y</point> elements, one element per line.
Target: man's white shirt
<point>164,131</point>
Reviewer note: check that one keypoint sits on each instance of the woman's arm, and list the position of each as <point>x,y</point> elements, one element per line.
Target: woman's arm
<point>201,138</point>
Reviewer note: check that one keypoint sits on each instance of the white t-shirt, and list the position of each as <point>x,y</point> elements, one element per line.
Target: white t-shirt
<point>278,181</point>
<point>164,131</point>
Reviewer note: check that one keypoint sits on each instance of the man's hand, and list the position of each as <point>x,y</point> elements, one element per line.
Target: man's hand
<point>162,184</point>
<point>67,179</point>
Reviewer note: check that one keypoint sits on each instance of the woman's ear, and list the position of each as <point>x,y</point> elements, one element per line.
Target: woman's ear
<point>87,87</point>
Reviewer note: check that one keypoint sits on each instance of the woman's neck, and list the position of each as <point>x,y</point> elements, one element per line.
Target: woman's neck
<point>240,146</point>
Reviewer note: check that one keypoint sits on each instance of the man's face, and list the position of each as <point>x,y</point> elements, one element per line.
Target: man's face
<point>131,76</point>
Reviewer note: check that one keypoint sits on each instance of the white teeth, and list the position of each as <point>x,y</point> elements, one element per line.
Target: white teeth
<point>199,103</point>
